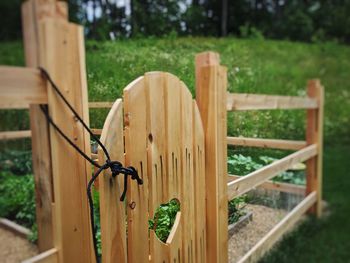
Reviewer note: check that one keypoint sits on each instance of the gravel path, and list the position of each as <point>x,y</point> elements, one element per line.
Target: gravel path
<point>14,249</point>
<point>264,219</point>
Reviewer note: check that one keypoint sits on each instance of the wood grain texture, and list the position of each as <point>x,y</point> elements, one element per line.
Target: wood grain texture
<point>246,183</point>
<point>100,105</point>
<point>211,84</point>
<point>275,234</point>
<point>64,60</point>
<point>266,143</point>
<point>243,101</point>
<point>314,135</point>
<point>21,87</point>
<point>113,217</point>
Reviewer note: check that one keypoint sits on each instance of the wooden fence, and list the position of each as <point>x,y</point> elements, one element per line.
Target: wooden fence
<point>177,144</point>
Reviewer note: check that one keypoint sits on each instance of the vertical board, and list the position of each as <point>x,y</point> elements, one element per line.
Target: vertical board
<point>136,136</point>
<point>211,97</point>
<point>64,60</point>
<point>199,186</point>
<point>32,12</point>
<point>314,135</point>
<point>113,217</point>
<point>187,193</point>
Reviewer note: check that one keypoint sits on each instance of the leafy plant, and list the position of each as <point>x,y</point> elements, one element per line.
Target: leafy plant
<point>16,162</point>
<point>242,165</point>
<point>164,219</point>
<point>236,209</point>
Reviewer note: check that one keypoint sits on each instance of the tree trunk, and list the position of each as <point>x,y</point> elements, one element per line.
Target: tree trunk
<point>224,18</point>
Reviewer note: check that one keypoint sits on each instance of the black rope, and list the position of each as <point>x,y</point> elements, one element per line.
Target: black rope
<point>115,166</point>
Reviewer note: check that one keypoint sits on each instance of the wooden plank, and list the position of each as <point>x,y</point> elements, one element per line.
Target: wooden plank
<point>157,165</point>
<point>20,87</point>
<point>32,12</point>
<point>246,183</point>
<point>199,186</point>
<point>64,60</point>
<point>314,135</point>
<point>266,143</point>
<point>15,228</point>
<point>275,234</point>
<point>100,105</point>
<point>173,104</point>
<point>113,218</point>
<point>49,256</point>
<point>277,186</point>
<point>11,135</point>
<point>96,131</point>
<point>136,136</point>
<point>244,101</point>
<point>210,93</point>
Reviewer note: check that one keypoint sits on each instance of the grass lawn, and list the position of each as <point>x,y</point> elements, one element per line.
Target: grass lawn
<point>271,67</point>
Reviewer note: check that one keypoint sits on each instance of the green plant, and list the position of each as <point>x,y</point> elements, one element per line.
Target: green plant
<point>164,219</point>
<point>236,209</point>
<point>17,198</point>
<point>16,162</point>
<point>239,164</point>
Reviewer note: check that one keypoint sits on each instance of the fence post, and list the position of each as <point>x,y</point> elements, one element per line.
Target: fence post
<point>211,87</point>
<point>314,135</point>
<point>32,12</point>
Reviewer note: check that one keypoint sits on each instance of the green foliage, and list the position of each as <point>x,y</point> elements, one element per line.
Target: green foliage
<point>16,162</point>
<point>164,219</point>
<point>239,164</point>
<point>17,198</point>
<point>236,209</point>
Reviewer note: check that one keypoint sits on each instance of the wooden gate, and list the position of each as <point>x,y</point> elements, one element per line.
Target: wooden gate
<point>157,129</point>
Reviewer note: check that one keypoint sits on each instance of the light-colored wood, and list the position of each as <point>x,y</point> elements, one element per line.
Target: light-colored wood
<point>314,135</point>
<point>210,95</point>
<point>100,105</point>
<point>113,218</point>
<point>266,143</point>
<point>275,234</point>
<point>64,60</point>
<point>270,185</point>
<point>96,131</point>
<point>199,185</point>
<point>136,136</point>
<point>32,12</point>
<point>49,256</point>
<point>21,87</point>
<point>246,183</point>
<point>11,135</point>
<point>243,101</point>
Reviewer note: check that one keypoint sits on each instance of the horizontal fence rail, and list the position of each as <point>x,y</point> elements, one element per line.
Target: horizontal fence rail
<point>266,143</point>
<point>246,183</point>
<point>285,225</point>
<point>278,186</point>
<point>244,101</point>
<point>11,135</point>
<point>21,87</point>
<point>100,105</point>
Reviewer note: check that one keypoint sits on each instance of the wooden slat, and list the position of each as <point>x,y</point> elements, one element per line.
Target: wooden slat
<point>20,87</point>
<point>314,134</point>
<point>285,225</point>
<point>96,131</point>
<point>65,61</point>
<point>270,185</point>
<point>32,12</point>
<point>11,135</point>
<point>49,256</point>
<point>113,218</point>
<point>199,185</point>
<point>243,101</point>
<point>266,143</point>
<point>210,94</point>
<point>136,136</point>
<point>100,105</point>
<point>246,183</point>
